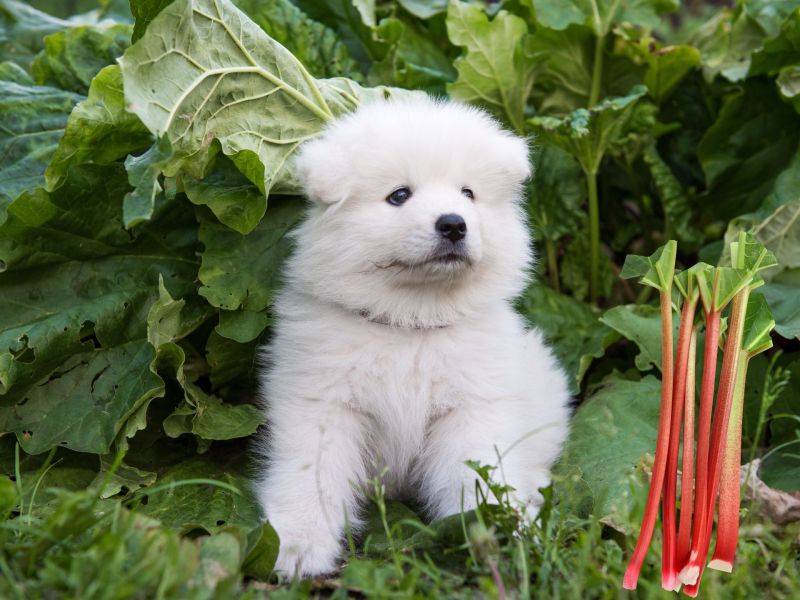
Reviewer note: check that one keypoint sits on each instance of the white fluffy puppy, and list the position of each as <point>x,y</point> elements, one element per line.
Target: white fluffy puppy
<point>397,349</point>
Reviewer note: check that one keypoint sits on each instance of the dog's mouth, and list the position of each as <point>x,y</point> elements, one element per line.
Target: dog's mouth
<point>447,259</point>
<point>440,259</point>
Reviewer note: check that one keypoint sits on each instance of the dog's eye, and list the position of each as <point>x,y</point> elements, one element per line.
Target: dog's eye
<point>468,193</point>
<point>399,196</point>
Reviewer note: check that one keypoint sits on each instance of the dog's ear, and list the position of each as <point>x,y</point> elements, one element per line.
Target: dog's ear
<point>514,154</point>
<point>323,171</point>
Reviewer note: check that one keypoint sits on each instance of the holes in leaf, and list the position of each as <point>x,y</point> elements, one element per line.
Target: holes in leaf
<point>220,523</point>
<point>87,335</point>
<point>23,353</point>
<point>99,375</point>
<point>22,402</point>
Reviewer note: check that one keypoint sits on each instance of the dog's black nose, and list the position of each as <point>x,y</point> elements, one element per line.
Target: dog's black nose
<point>451,226</point>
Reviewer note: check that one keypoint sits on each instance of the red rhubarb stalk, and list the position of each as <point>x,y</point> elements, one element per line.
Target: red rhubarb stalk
<point>690,575</point>
<point>687,475</point>
<point>669,573</point>
<point>758,325</point>
<point>662,442</point>
<point>728,520</point>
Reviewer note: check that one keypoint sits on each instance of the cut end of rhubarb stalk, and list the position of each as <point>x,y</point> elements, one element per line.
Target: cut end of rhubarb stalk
<point>721,565</point>
<point>669,581</point>
<point>689,574</point>
<point>691,590</point>
<point>631,578</point>
<point>678,586</point>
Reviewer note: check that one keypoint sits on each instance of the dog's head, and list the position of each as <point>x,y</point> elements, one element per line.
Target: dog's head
<point>416,218</point>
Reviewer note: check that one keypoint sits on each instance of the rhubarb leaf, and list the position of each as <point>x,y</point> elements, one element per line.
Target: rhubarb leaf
<point>100,130</point>
<point>71,58</point>
<point>557,194</point>
<point>221,65</point>
<point>495,70</point>
<point>204,506</point>
<point>316,46</point>
<point>656,270</point>
<point>666,65</point>
<point>781,294</point>
<point>741,171</point>
<point>77,290</point>
<point>243,271</point>
<point>32,119</point>
<point>233,199</point>
<point>588,133</point>
<point>610,436</point>
<point>758,324</point>
<point>641,324</point>
<point>572,327</point>
<point>602,15</point>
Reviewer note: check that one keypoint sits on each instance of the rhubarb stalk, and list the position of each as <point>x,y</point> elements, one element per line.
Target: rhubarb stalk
<point>747,257</point>
<point>669,574</point>
<point>687,468</point>
<point>712,317</point>
<point>758,325</point>
<point>658,272</point>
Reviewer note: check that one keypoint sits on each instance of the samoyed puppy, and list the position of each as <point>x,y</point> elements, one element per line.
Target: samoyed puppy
<point>397,352</point>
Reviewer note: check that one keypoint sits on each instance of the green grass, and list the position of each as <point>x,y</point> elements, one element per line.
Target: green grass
<point>56,543</point>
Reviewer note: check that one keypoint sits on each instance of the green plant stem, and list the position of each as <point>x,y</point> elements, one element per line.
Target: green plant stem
<point>594,234</point>
<point>597,70</point>
<point>552,264</point>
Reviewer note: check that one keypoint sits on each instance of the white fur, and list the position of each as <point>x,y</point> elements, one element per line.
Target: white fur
<point>382,363</point>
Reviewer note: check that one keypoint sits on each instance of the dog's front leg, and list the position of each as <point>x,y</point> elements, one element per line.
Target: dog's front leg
<point>502,435</point>
<point>310,492</point>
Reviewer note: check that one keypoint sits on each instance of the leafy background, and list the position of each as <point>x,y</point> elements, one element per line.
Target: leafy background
<point>146,192</point>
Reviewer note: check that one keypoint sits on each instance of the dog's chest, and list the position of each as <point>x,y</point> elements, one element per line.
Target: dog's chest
<point>404,380</point>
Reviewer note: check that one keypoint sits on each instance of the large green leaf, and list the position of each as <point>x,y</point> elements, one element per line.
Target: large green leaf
<point>641,324</point>
<point>212,508</point>
<point>316,46</point>
<point>100,130</point>
<point>77,288</point>
<point>610,436</point>
<point>602,15</point>
<point>414,59</point>
<point>354,22</point>
<point>564,68</point>
<point>740,168</point>
<point>781,293</point>
<point>233,199</point>
<point>726,44</point>
<point>72,57</point>
<point>781,50</point>
<point>145,11</point>
<point>674,200</point>
<point>243,271</point>
<point>666,65</point>
<point>495,70</point>
<point>769,14</point>
<point>32,119</point>
<point>557,193</point>
<point>231,83</point>
<point>23,29</point>
<point>572,327</point>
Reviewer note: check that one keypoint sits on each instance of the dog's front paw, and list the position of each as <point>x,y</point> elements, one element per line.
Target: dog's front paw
<point>306,554</point>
